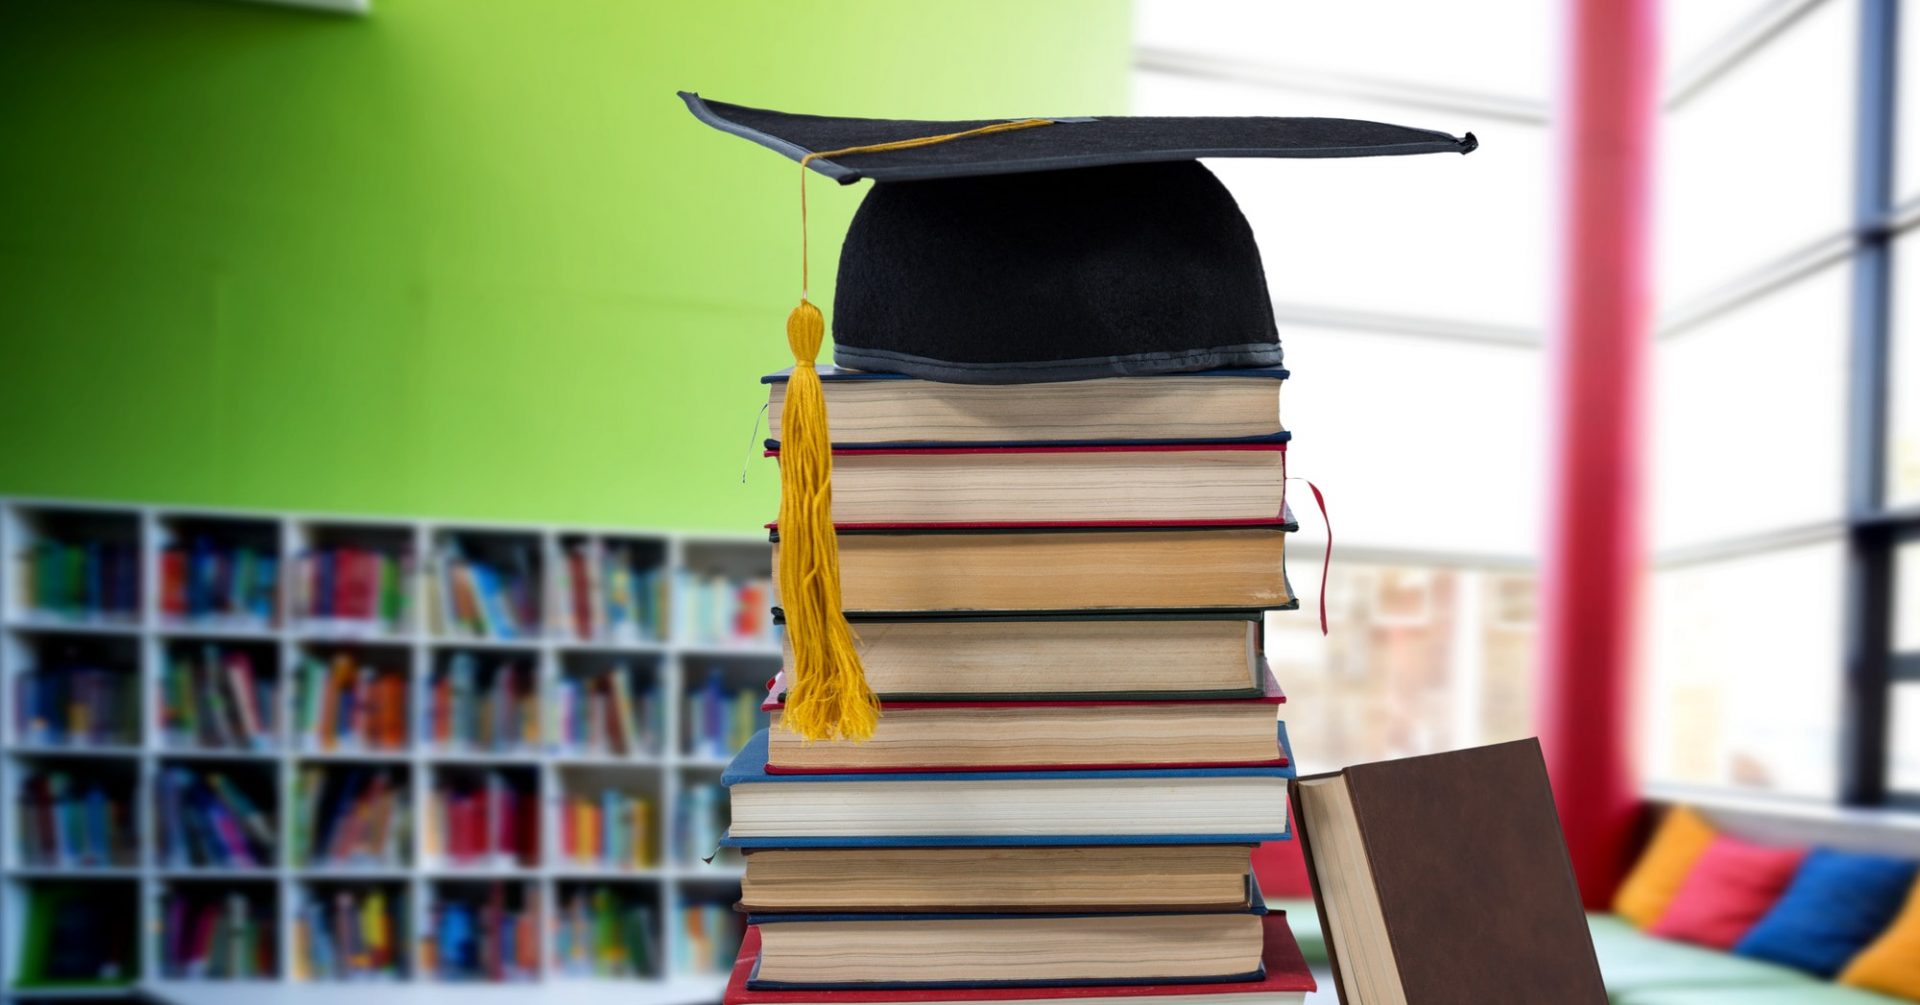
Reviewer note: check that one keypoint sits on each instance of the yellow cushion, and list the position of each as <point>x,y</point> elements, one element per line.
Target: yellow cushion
<point>1891,963</point>
<point>1682,838</point>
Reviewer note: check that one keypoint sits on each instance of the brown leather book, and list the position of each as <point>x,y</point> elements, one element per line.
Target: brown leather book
<point>1444,879</point>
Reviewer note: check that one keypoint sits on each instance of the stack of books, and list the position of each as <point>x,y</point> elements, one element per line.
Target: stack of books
<point>217,697</point>
<point>1059,591</point>
<point>207,821</point>
<point>350,935</point>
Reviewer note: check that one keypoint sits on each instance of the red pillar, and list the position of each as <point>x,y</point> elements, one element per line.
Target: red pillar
<point>1599,349</point>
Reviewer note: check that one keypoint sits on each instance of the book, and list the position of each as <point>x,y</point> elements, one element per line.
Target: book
<point>349,934</point>
<point>604,592</point>
<point>887,408</point>
<point>206,820</point>
<point>1139,656</point>
<point>481,703</point>
<point>350,817</point>
<point>710,934</point>
<point>482,599</point>
<point>485,818</point>
<point>723,611</point>
<point>1190,877</point>
<point>1285,980</point>
<point>353,589</point>
<point>831,951</point>
<point>479,933</point>
<point>600,933</point>
<point>66,822</point>
<point>720,717</point>
<point>218,697</point>
<point>214,582</point>
<point>1444,879</point>
<point>609,829</point>
<point>1238,804</point>
<point>1063,570</point>
<point>610,712</point>
<point>70,704</point>
<point>85,581</point>
<point>214,934</point>
<point>1149,484</point>
<point>1033,734</point>
<point>349,703</point>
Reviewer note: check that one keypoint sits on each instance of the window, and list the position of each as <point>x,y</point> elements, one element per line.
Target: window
<point>1788,408</point>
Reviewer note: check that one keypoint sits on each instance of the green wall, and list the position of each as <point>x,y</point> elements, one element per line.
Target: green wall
<point>461,257</point>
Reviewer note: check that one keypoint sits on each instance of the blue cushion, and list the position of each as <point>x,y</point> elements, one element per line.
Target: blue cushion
<point>1837,903</point>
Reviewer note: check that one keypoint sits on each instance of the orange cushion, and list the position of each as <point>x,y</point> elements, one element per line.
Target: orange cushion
<point>1682,838</point>
<point>1891,963</point>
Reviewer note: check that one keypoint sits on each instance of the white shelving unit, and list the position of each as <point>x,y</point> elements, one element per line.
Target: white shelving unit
<point>677,663</point>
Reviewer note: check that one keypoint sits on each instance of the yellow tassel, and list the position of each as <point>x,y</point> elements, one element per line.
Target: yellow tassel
<point>827,697</point>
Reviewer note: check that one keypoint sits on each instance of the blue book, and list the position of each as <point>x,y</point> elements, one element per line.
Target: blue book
<point>918,950</point>
<point>1233,805</point>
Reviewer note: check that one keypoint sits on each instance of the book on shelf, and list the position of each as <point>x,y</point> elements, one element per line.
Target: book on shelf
<point>76,706</point>
<point>1081,806</point>
<point>495,709</point>
<point>217,697</point>
<point>67,822</point>
<point>1010,735</point>
<point>965,879</point>
<point>349,703</point>
<point>482,935</point>
<point>709,936</point>
<point>600,934</point>
<point>91,581</point>
<point>348,934</point>
<point>600,593</point>
<point>205,820</point>
<point>352,589</point>
<point>76,935</point>
<point>700,821</point>
<point>826,950</point>
<point>1285,980</point>
<point>1146,655</point>
<point>217,935</point>
<point>1062,569</point>
<point>485,600</point>
<point>610,829</point>
<point>721,718</point>
<point>483,820</point>
<point>723,611</point>
<point>208,581</point>
<point>1396,848</point>
<point>607,713</point>
<point>350,816</point>
<point>886,409</point>
<point>1151,484</point>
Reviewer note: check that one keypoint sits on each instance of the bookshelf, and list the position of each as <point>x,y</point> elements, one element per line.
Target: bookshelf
<point>149,609</point>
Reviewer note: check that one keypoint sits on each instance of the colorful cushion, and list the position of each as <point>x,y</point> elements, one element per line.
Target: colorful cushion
<point>1891,964</point>
<point>1669,857</point>
<point>1837,903</point>
<point>1733,885</point>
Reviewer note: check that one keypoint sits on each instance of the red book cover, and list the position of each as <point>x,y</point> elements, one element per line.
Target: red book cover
<point>173,582</point>
<point>582,594</point>
<point>568,839</point>
<point>1285,972</point>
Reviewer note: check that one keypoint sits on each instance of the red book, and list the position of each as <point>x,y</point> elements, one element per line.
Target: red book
<point>582,593</point>
<point>173,582</point>
<point>1287,981</point>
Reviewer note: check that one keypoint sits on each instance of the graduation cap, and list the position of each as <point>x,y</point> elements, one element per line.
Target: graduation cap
<point>1013,251</point>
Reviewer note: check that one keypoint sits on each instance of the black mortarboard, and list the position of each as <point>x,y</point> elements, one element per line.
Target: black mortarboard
<point>1011,251</point>
<point>1094,247</point>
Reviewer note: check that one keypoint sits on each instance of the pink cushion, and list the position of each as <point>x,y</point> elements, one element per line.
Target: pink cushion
<point>1731,887</point>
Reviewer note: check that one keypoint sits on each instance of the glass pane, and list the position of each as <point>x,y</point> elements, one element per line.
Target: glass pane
<point>1906,598</point>
<point>1744,681</point>
<point>1419,660</point>
<point>1512,41</point>
<point>1464,238</point>
<point>1735,193</point>
<point>1749,423</point>
<point>1903,771</point>
<point>1420,444</point>
<point>1903,402</point>
<point>1691,27</point>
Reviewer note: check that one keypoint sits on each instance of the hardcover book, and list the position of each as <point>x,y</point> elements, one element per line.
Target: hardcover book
<point>1185,877</point>
<point>1222,484</point>
<point>1444,880</point>
<point>1063,570</point>
<point>1041,735</point>
<point>1137,656</point>
<point>1285,980</point>
<point>876,409</point>
<point>824,951</point>
<point>1239,805</point>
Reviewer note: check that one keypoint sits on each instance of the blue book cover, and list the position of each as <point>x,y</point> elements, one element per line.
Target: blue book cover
<point>749,766</point>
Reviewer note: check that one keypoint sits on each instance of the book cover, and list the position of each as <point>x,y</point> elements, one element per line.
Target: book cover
<point>1472,877</point>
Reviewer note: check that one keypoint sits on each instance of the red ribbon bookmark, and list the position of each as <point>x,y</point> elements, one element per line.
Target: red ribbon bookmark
<point>1326,560</point>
